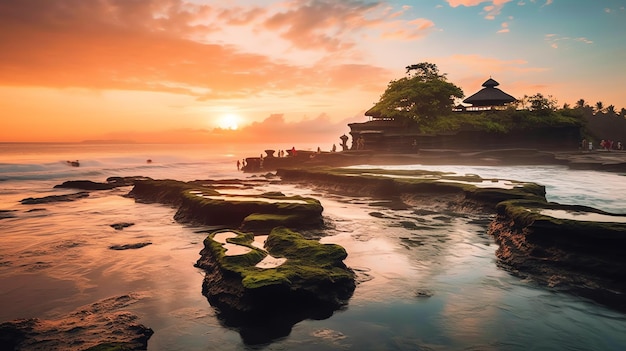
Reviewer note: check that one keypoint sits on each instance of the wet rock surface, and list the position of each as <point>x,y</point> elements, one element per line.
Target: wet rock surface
<point>586,258</point>
<point>85,185</point>
<point>129,246</point>
<point>7,214</point>
<point>603,160</point>
<point>264,304</point>
<point>204,205</point>
<point>121,225</point>
<point>583,257</point>
<point>54,198</point>
<point>99,326</point>
<point>111,183</point>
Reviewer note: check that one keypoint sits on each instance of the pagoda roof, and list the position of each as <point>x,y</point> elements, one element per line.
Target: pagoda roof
<point>490,83</point>
<point>489,95</point>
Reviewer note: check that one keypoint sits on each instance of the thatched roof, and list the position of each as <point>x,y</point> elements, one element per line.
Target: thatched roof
<point>490,83</point>
<point>489,95</point>
<point>373,112</point>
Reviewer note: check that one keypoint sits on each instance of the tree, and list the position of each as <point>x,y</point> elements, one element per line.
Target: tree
<point>599,107</point>
<point>421,96</point>
<point>425,70</point>
<point>610,110</point>
<point>581,103</point>
<point>622,112</point>
<point>541,103</point>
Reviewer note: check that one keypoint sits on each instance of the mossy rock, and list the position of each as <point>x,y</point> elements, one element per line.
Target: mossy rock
<point>264,222</point>
<point>232,211</point>
<point>264,303</point>
<point>309,262</point>
<point>528,214</point>
<point>381,182</point>
<point>585,257</point>
<point>202,205</point>
<point>165,191</point>
<point>113,346</point>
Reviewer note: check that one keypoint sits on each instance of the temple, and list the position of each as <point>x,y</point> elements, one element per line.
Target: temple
<point>488,98</point>
<point>384,133</point>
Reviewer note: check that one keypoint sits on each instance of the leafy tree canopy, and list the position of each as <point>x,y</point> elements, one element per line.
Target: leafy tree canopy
<point>423,95</point>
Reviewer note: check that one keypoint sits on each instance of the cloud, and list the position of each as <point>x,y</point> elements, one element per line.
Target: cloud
<point>161,45</point>
<point>335,25</point>
<point>491,11</point>
<point>277,129</point>
<point>505,28</point>
<point>274,129</point>
<point>554,40</point>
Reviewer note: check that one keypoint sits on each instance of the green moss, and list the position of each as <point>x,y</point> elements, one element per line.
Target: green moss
<point>283,242</point>
<point>263,221</point>
<point>527,213</point>
<point>309,262</point>
<point>394,182</point>
<point>235,263</point>
<point>112,346</point>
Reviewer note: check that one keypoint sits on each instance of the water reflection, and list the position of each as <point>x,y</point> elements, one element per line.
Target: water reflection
<point>56,259</point>
<point>583,216</point>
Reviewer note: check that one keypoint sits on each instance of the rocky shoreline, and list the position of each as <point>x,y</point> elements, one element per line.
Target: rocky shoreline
<point>599,160</point>
<point>579,256</point>
<point>576,249</point>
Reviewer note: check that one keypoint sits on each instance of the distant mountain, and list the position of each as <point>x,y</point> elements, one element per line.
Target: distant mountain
<point>108,141</point>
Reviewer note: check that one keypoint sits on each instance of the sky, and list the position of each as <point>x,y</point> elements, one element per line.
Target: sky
<point>195,71</point>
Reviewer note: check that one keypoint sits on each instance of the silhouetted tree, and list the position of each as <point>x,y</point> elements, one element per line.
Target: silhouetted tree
<point>599,107</point>
<point>622,112</point>
<point>611,110</point>
<point>581,103</point>
<point>538,102</point>
<point>566,106</point>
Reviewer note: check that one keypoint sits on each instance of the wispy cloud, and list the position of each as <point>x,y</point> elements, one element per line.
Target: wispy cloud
<point>491,11</point>
<point>504,28</point>
<point>338,25</point>
<point>554,40</point>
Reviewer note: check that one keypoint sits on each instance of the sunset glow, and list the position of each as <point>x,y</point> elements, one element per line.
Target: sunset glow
<point>162,71</point>
<point>229,121</point>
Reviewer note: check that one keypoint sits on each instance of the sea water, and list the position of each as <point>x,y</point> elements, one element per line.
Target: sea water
<point>431,285</point>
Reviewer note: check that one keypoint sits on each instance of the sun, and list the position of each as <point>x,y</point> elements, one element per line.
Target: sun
<point>229,121</point>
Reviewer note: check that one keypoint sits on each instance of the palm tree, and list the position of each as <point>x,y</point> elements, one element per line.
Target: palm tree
<point>611,110</point>
<point>599,107</point>
<point>580,103</point>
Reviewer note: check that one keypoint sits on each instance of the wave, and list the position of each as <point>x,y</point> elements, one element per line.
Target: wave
<point>99,170</point>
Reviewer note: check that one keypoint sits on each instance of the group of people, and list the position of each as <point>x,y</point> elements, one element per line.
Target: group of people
<point>611,145</point>
<point>607,145</point>
<point>241,164</point>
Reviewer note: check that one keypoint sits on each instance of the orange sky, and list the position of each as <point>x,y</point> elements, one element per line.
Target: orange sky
<point>295,70</point>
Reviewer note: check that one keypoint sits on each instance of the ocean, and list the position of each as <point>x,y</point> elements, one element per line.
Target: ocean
<point>434,287</point>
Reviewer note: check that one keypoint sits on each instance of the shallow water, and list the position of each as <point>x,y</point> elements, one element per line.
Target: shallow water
<point>583,216</point>
<point>428,281</point>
